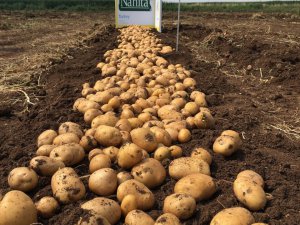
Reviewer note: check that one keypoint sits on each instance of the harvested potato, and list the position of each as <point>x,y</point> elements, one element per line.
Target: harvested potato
<point>16,208</point>
<point>123,125</point>
<point>47,207</point>
<point>108,136</point>
<point>123,176</point>
<point>252,176</point>
<point>45,166</point>
<point>88,142</point>
<point>105,207</point>
<point>94,152</point>
<point>90,132</point>
<point>46,138</point>
<point>162,136</point>
<point>162,153</point>
<point>66,138</point>
<point>70,127</point>
<point>93,219</point>
<point>167,219</point>
<point>199,186</point>
<point>135,122</point>
<point>145,198</point>
<point>66,186</point>
<point>138,217</point>
<point>233,216</point>
<point>22,179</point>
<point>126,138</point>
<point>184,166</point>
<point>204,120</point>
<point>176,151</point>
<point>144,138</point>
<point>129,155</point>
<point>181,205</point>
<point>112,152</point>
<point>173,134</point>
<point>45,150</point>
<point>98,162</point>
<point>184,135</point>
<point>149,172</point>
<point>225,145</point>
<point>233,134</point>
<point>69,154</point>
<point>128,204</point>
<point>202,154</point>
<point>108,119</point>
<point>103,182</point>
<point>91,114</point>
<point>82,105</point>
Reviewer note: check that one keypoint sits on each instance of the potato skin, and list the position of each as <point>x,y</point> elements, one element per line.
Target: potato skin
<point>66,186</point>
<point>93,219</point>
<point>22,179</point>
<point>45,166</point>
<point>129,155</point>
<point>202,154</point>
<point>16,208</point>
<point>98,162</point>
<point>47,207</point>
<point>167,219</point>
<point>144,138</point>
<point>128,204</point>
<point>105,207</point>
<point>199,186</point>
<point>251,175</point>
<point>138,217</point>
<point>66,138</point>
<point>233,216</point>
<point>70,127</point>
<point>108,136</point>
<point>46,137</point>
<point>69,154</point>
<point>45,150</point>
<point>225,145</point>
<point>123,176</point>
<point>103,182</point>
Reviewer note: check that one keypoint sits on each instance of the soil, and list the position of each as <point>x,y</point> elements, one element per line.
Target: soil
<point>247,91</point>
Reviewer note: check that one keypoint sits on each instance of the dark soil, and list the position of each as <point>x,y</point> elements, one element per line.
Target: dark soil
<point>242,103</point>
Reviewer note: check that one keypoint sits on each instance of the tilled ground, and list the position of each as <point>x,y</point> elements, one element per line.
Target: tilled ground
<point>250,73</point>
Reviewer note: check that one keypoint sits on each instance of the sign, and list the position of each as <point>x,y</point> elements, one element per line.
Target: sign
<point>138,12</point>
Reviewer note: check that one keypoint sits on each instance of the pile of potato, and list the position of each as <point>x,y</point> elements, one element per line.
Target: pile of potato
<point>135,116</point>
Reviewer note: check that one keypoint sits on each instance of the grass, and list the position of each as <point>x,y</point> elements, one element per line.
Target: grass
<point>108,5</point>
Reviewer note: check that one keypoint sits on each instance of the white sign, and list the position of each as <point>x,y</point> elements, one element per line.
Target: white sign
<point>138,12</point>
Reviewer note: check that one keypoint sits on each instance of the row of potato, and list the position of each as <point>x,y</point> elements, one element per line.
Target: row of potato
<point>137,113</point>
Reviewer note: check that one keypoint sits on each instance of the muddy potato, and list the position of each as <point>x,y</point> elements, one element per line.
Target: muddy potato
<point>235,135</point>
<point>173,134</point>
<point>47,207</point>
<point>108,119</point>
<point>82,105</point>
<point>91,114</point>
<point>98,162</point>
<point>199,186</point>
<point>200,101</point>
<point>181,205</point>
<point>176,125</point>
<point>184,135</point>
<point>123,125</point>
<point>112,152</point>
<point>149,172</point>
<point>22,179</point>
<point>70,127</point>
<point>128,204</point>
<point>126,138</point>
<point>138,217</point>
<point>45,150</point>
<point>108,136</point>
<point>16,208</point>
<point>92,219</point>
<point>184,166</point>
<point>162,153</point>
<point>176,151</point>
<point>103,182</point>
<point>46,138</point>
<point>94,152</point>
<point>123,176</point>
<point>144,138</point>
<point>167,219</point>
<point>162,136</point>
<point>129,155</point>
<point>69,154</point>
<point>252,176</point>
<point>233,216</point>
<point>66,186</point>
<point>202,154</point>
<point>191,108</point>
<point>88,143</point>
<point>66,138</point>
<point>45,166</point>
<point>204,120</point>
<point>135,122</point>
<point>225,145</point>
<point>145,198</point>
<point>105,207</point>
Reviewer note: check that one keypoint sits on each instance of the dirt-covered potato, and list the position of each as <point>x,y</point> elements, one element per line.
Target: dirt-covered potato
<point>123,125</point>
<point>16,208</point>
<point>22,179</point>
<point>69,154</point>
<point>176,151</point>
<point>173,134</point>
<point>138,217</point>
<point>181,205</point>
<point>91,114</point>
<point>252,176</point>
<point>45,150</point>
<point>225,145</point>
<point>128,204</point>
<point>184,135</point>
<point>88,143</point>
<point>129,155</point>
<point>112,152</point>
<point>149,172</point>
<point>82,105</point>
<point>233,216</point>
<point>233,134</point>
<point>184,166</point>
<point>108,136</point>
<point>47,207</point>
<point>92,219</point>
<point>162,136</point>
<point>70,127</point>
<point>105,207</point>
<point>167,219</point>
<point>204,120</point>
<point>98,162</point>
<point>108,119</point>
<point>46,138</point>
<point>145,198</point>
<point>45,166</point>
<point>103,182</point>
<point>66,138</point>
<point>90,132</point>
<point>162,153</point>
<point>94,152</point>
<point>199,186</point>
<point>202,154</point>
<point>123,176</point>
<point>144,138</point>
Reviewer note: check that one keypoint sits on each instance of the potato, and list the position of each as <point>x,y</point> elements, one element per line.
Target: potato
<point>105,207</point>
<point>82,105</point>
<point>70,127</point>
<point>181,205</point>
<point>200,101</point>
<point>108,136</point>
<point>129,155</point>
<point>135,122</point>
<point>45,166</point>
<point>184,166</point>
<point>204,120</point>
<point>191,108</point>
<point>225,145</point>
<point>202,154</point>
<point>176,125</point>
<point>250,194</point>
<point>167,219</point>
<point>66,138</point>
<point>138,217</point>
<point>123,125</point>
<point>149,172</point>
<point>184,135</point>
<point>235,135</point>
<point>103,182</point>
<point>252,176</point>
<point>94,152</point>
<point>176,151</point>
<point>47,207</point>
<point>66,186</point>
<point>233,216</point>
<point>46,138</point>
<point>69,154</point>
<point>16,208</point>
<point>126,114</point>
<point>90,132</point>
<point>98,162</point>
<point>123,176</point>
<point>126,138</point>
<point>162,136</point>
<point>107,119</point>
<point>173,134</point>
<point>169,112</point>
<point>144,138</point>
<point>199,186</point>
<point>128,204</point>
<point>162,153</point>
<point>92,219</point>
<point>45,150</point>
<point>88,143</point>
<point>22,179</point>
<point>91,114</point>
<point>145,198</point>
<point>112,152</point>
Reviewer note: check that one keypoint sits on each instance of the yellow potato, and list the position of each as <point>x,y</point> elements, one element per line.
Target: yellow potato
<point>45,150</point>
<point>92,219</point>
<point>112,152</point>
<point>103,182</point>
<point>128,204</point>
<point>252,176</point>
<point>45,166</point>
<point>138,217</point>
<point>46,138</point>
<point>108,136</point>
<point>184,135</point>
<point>167,219</point>
<point>233,216</point>
<point>69,154</point>
<point>91,114</point>
<point>88,143</point>
<point>144,138</point>
<point>129,155</point>
<point>176,151</point>
<point>202,154</point>
<point>162,153</point>
<point>123,176</point>
<point>70,127</point>
<point>225,145</point>
<point>47,207</point>
<point>94,152</point>
<point>99,161</point>
<point>66,138</point>
<point>107,119</point>
<point>22,179</point>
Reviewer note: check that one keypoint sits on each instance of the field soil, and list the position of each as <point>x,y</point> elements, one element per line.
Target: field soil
<point>248,66</point>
